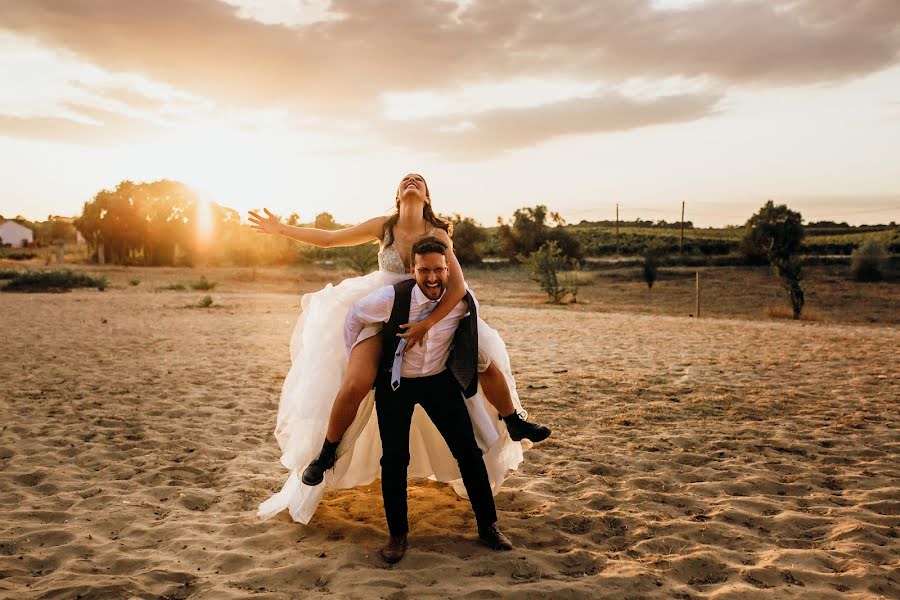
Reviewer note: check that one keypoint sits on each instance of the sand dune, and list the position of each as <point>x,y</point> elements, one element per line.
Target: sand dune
<point>691,459</point>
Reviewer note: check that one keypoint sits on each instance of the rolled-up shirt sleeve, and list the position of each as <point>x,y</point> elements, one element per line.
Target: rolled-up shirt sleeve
<point>375,308</point>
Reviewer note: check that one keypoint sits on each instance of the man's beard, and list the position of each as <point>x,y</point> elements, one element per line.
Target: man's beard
<point>428,291</point>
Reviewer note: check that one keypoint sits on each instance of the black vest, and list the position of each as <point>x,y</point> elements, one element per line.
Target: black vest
<point>463,359</point>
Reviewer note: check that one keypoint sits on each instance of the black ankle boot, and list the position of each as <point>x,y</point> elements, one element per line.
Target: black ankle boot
<point>315,472</point>
<point>521,429</point>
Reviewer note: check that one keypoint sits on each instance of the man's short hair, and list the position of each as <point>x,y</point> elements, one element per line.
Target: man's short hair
<point>427,245</point>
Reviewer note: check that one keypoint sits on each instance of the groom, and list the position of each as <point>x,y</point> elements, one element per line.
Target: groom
<point>435,375</point>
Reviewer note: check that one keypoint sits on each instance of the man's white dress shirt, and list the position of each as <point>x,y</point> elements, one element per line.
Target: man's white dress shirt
<point>424,359</point>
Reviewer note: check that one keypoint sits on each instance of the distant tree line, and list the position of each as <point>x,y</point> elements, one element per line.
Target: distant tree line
<point>660,224</point>
<point>597,241</point>
<point>157,224</point>
<point>166,223</point>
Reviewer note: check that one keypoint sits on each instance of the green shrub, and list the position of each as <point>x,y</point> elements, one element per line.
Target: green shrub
<point>175,287</point>
<point>206,302</point>
<point>545,264</point>
<point>9,273</point>
<point>20,255</point>
<point>53,281</point>
<point>134,282</point>
<point>868,261</point>
<point>203,284</point>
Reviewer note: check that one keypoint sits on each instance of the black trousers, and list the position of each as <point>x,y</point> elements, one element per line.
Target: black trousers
<point>442,400</point>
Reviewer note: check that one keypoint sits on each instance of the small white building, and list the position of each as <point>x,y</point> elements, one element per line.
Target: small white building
<point>15,234</point>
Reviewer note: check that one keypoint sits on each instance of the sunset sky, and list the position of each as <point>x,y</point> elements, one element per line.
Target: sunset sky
<point>309,105</point>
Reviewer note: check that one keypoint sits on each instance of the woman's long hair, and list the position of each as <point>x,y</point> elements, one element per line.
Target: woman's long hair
<point>387,230</point>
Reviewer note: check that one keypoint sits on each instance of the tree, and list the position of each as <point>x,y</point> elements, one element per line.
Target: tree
<point>528,230</point>
<point>789,271</point>
<point>145,222</point>
<point>468,238</point>
<point>326,221</point>
<point>55,230</point>
<point>776,233</point>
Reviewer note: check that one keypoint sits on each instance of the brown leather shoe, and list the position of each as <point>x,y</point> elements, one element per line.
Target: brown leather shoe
<point>395,548</point>
<point>493,538</point>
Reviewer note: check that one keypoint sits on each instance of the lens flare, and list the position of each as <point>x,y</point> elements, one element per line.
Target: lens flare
<point>204,222</point>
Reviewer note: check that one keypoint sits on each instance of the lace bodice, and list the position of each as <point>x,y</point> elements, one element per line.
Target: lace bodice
<point>389,258</point>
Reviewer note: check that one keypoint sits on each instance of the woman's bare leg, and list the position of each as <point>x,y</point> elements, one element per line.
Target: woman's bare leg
<point>361,371</point>
<point>496,390</point>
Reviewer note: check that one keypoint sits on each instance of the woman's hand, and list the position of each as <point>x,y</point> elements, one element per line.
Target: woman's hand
<point>415,333</point>
<point>269,224</point>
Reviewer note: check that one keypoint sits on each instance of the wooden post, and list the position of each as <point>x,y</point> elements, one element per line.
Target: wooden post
<point>697,309</point>
<point>682,226</point>
<point>101,254</point>
<point>60,254</point>
<point>617,229</point>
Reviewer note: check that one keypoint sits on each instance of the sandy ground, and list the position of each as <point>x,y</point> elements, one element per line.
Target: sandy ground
<point>708,458</point>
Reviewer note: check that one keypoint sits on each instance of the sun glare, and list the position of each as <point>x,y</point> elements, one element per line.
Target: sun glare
<point>204,221</point>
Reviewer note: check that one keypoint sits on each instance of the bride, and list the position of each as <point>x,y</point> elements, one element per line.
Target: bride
<point>328,390</point>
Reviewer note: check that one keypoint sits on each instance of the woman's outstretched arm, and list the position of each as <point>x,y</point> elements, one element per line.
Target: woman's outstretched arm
<point>323,238</point>
<point>456,291</point>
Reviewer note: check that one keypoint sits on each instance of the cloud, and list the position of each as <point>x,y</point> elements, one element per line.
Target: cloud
<point>492,132</point>
<point>339,68</point>
<point>84,125</point>
<point>125,96</point>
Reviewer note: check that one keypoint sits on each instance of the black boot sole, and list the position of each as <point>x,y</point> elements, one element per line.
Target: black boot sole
<point>312,481</point>
<point>494,545</point>
<point>540,437</point>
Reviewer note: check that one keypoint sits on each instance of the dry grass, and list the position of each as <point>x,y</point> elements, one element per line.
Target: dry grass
<point>785,312</point>
<point>726,292</point>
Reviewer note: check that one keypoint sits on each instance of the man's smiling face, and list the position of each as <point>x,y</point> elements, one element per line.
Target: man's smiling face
<point>431,273</point>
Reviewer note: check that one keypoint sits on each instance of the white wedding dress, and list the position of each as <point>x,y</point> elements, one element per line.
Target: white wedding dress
<point>318,365</point>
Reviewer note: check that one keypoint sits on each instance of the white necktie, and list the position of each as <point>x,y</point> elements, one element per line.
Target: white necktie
<point>398,355</point>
